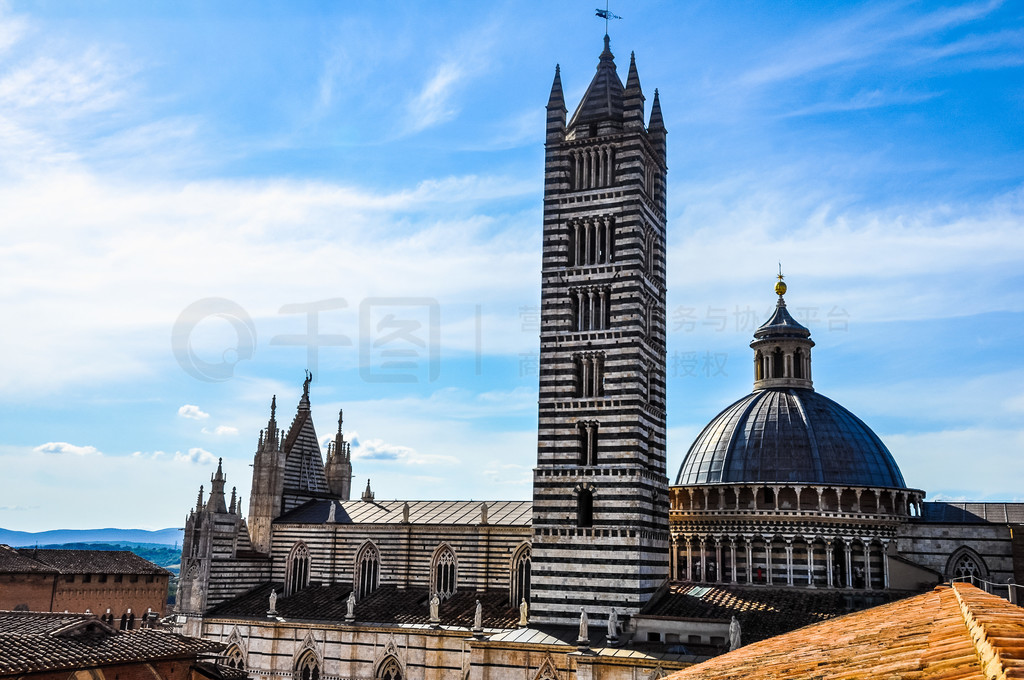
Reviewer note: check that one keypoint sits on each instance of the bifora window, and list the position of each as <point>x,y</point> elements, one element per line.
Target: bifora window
<point>390,669</point>
<point>519,588</point>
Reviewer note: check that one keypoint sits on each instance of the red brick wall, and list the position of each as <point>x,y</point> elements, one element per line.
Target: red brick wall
<point>97,596</point>
<point>33,590</point>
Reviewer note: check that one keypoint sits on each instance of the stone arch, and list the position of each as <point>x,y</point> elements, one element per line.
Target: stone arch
<point>389,668</point>
<point>298,568</point>
<point>444,572</point>
<point>233,657</point>
<point>519,574</point>
<point>547,669</point>
<point>308,665</point>
<point>966,564</point>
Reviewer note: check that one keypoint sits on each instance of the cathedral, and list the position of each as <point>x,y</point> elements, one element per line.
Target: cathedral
<point>787,509</point>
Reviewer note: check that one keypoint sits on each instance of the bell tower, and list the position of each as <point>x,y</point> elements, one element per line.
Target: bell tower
<point>600,500</point>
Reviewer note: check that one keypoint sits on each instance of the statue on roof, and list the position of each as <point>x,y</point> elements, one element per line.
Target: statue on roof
<point>613,625</point>
<point>435,605</point>
<point>273,602</point>
<point>523,613</point>
<point>478,618</point>
<point>350,613</point>
<point>734,634</point>
<point>584,637</point>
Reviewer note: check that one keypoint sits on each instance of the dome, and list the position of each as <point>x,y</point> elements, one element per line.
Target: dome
<point>789,435</point>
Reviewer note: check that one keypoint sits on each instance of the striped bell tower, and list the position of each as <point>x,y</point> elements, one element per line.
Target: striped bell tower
<point>600,494</point>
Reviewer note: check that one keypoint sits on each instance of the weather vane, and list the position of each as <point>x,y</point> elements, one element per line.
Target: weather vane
<point>606,15</point>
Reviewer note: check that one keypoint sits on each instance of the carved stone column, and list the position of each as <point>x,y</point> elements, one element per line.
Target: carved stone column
<point>828,564</point>
<point>867,563</point>
<point>748,543</point>
<point>885,565</point>
<point>689,555</point>
<point>810,563</point>
<point>847,547</point>
<point>789,561</point>
<point>718,559</point>
<point>732,559</point>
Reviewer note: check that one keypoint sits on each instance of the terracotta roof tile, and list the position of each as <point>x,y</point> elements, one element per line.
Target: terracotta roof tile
<point>762,612</point>
<point>92,561</point>
<point>13,562</point>
<point>944,634</point>
<point>33,642</point>
<point>387,604</point>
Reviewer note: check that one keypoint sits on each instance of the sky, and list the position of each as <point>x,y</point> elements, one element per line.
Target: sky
<point>191,191</point>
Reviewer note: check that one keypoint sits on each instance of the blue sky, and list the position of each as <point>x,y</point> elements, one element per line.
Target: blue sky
<point>204,164</point>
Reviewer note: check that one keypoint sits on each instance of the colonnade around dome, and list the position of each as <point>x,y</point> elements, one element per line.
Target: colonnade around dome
<point>811,536</point>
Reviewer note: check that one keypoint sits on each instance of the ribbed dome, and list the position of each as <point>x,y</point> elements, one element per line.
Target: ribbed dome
<point>789,435</point>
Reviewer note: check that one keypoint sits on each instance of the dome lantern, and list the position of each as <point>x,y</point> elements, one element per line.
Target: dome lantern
<point>782,348</point>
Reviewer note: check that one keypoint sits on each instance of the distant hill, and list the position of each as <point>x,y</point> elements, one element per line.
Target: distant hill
<point>58,536</point>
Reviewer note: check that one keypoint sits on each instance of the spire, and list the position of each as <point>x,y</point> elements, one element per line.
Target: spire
<point>234,503</point>
<point>339,463</point>
<point>633,98</point>
<point>600,110</point>
<point>216,502</point>
<point>556,110</point>
<point>199,501</point>
<point>656,127</point>
<point>304,402</point>
<point>368,495</point>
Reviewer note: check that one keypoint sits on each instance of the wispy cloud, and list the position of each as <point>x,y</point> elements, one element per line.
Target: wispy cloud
<point>877,32</point>
<point>192,412</point>
<point>64,448</point>
<point>379,450</point>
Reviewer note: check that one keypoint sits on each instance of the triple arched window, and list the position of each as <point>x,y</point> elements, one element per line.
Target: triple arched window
<point>297,571</point>
<point>367,570</point>
<point>233,658</point>
<point>307,667</point>
<point>444,572</point>
<point>389,669</point>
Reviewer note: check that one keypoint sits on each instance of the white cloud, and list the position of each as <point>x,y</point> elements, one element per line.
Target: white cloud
<point>433,103</point>
<point>221,430</point>
<point>66,448</point>
<point>192,412</point>
<point>380,450</point>
<point>195,455</point>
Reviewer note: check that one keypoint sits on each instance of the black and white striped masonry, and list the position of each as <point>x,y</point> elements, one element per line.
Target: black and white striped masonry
<point>600,500</point>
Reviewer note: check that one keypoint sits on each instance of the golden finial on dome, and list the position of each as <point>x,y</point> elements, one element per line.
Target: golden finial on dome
<point>780,287</point>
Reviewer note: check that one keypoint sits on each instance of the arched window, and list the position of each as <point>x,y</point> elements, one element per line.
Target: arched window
<point>444,570</point>
<point>584,508</point>
<point>124,622</point>
<point>307,667</point>
<point>389,669</point>
<point>777,363</point>
<point>519,585</point>
<point>798,363</point>
<point>297,572</point>
<point>966,564</point>
<point>758,366</point>
<point>367,570</point>
<point>233,658</point>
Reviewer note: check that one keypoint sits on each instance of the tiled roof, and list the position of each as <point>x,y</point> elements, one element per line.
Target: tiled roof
<point>947,633</point>
<point>92,561</point>
<point>386,605</point>
<point>762,612</point>
<point>973,513</point>
<point>499,513</point>
<point>13,562</point>
<point>32,642</point>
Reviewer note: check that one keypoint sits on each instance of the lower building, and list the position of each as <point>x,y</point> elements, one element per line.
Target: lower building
<point>52,646</point>
<point>117,585</point>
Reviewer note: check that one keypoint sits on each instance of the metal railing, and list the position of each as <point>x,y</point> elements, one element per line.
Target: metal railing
<point>1008,590</point>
